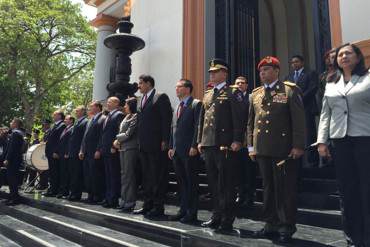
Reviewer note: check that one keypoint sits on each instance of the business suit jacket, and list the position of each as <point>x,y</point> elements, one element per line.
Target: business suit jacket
<point>92,135</point>
<point>308,83</point>
<point>127,136</point>
<point>154,122</point>
<point>184,130</point>
<point>110,131</point>
<point>53,139</point>
<point>14,151</point>
<point>345,109</point>
<point>221,120</point>
<point>64,141</point>
<point>276,121</point>
<point>78,131</point>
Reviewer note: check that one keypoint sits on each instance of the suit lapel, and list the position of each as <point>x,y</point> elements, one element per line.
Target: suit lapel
<point>351,84</point>
<point>186,107</point>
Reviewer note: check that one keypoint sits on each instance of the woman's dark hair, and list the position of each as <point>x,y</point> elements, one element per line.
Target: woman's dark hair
<point>147,79</point>
<point>132,104</point>
<point>360,68</point>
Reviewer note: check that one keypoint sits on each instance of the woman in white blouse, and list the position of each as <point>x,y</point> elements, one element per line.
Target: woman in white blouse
<point>345,123</point>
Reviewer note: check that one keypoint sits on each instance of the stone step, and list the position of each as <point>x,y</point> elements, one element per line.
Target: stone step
<point>28,235</point>
<point>6,242</point>
<point>75,230</point>
<point>314,234</point>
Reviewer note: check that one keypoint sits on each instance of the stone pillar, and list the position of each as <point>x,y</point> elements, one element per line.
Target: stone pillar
<point>105,57</point>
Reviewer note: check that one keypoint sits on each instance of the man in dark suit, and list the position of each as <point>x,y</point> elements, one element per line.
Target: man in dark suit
<point>74,162</point>
<point>154,118</point>
<point>52,144</point>
<point>183,151</point>
<point>13,160</point>
<point>220,137</point>
<point>307,81</point>
<point>247,170</point>
<point>110,153</point>
<point>63,157</point>
<point>94,172</point>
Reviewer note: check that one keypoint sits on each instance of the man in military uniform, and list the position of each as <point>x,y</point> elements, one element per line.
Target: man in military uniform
<point>275,136</point>
<point>220,135</point>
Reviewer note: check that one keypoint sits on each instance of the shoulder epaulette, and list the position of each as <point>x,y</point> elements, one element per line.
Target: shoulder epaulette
<point>289,83</point>
<point>257,88</point>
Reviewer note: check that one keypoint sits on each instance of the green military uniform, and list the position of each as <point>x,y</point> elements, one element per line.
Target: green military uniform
<point>221,124</point>
<point>276,125</point>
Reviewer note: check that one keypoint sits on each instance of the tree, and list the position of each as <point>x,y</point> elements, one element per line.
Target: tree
<point>43,44</point>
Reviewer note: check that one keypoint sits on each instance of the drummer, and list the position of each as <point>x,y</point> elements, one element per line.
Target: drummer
<point>13,160</point>
<point>31,173</point>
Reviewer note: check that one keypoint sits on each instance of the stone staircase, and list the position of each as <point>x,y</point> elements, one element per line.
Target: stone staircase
<point>52,222</point>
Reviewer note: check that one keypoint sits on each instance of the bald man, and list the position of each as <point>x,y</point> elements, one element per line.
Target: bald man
<point>110,154</point>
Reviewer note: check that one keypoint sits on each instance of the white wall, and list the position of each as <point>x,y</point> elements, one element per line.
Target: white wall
<point>160,24</point>
<point>355,20</point>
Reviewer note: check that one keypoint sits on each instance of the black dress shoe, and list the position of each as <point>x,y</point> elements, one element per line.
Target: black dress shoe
<point>74,198</point>
<point>12,202</point>
<point>264,234</point>
<point>127,209</point>
<point>189,219</point>
<point>284,238</point>
<point>141,211</point>
<point>225,229</point>
<point>102,202</point>
<point>49,194</point>
<point>155,212</point>
<point>212,223</point>
<point>176,217</point>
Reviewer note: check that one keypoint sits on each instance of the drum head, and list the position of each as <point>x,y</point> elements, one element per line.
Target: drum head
<point>38,157</point>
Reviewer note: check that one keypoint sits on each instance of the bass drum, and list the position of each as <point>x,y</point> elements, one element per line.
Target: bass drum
<point>36,157</point>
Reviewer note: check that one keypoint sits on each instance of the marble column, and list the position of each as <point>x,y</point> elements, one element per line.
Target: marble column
<point>105,57</point>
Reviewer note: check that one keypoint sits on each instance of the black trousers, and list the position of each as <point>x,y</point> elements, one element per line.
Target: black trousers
<point>221,167</point>
<point>351,159</point>
<point>13,176</point>
<point>154,178</point>
<point>75,175</point>
<point>53,175</point>
<point>112,177</point>
<point>279,193</point>
<point>64,176</point>
<point>94,177</point>
<point>247,177</point>
<point>186,169</point>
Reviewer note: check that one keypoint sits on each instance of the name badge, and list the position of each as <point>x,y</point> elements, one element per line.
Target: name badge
<point>280,98</point>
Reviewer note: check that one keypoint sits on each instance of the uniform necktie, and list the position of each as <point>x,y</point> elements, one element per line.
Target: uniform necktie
<point>180,109</point>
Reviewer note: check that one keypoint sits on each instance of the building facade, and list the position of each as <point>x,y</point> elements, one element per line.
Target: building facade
<point>182,35</point>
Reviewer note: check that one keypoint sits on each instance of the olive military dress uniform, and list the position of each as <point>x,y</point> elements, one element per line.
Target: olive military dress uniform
<point>276,125</point>
<point>221,124</point>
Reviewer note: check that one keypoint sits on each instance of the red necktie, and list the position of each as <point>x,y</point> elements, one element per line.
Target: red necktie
<point>180,109</point>
<point>143,102</point>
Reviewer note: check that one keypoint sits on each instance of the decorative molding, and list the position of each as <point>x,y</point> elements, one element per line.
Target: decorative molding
<point>104,20</point>
<point>364,45</point>
<point>335,23</point>
<point>193,44</point>
<point>127,8</point>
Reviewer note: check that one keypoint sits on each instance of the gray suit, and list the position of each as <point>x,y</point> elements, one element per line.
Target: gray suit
<point>345,117</point>
<point>127,137</point>
<point>345,109</point>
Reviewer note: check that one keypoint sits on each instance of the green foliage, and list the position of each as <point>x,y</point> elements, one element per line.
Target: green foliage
<point>44,46</point>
